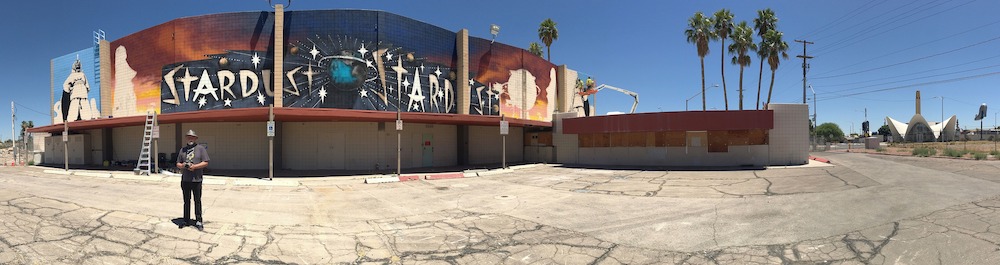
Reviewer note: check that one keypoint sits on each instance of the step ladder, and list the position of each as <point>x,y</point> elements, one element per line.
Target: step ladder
<point>144,166</point>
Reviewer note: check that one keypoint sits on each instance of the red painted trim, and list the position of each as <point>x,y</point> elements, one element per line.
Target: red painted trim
<point>409,177</point>
<point>445,176</point>
<point>820,159</point>
<point>293,115</point>
<point>672,121</point>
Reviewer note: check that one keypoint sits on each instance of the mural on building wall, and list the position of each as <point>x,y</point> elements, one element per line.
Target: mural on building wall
<point>73,81</point>
<point>510,81</point>
<point>348,59</point>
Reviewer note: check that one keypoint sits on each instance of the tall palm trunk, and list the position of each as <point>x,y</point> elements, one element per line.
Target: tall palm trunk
<point>548,52</point>
<point>703,84</point>
<point>760,78</point>
<point>741,87</point>
<point>725,93</point>
<point>770,89</point>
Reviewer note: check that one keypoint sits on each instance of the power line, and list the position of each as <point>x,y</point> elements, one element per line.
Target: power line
<point>888,30</point>
<point>914,85</point>
<point>852,14</point>
<point>918,78</point>
<point>914,73</point>
<point>867,21</point>
<point>26,107</point>
<point>913,60</point>
<point>913,47</point>
<point>881,24</point>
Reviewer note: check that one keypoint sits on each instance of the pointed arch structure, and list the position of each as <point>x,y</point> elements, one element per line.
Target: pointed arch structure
<point>919,129</point>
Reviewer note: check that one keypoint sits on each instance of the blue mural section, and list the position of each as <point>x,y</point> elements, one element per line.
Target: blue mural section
<point>75,87</point>
<point>236,79</point>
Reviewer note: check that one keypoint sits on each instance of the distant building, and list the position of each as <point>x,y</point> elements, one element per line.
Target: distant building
<point>920,130</point>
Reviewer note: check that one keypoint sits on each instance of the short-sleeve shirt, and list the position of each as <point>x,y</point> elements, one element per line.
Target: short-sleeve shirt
<point>193,154</point>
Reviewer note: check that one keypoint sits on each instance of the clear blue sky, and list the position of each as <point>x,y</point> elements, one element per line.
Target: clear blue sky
<point>943,48</point>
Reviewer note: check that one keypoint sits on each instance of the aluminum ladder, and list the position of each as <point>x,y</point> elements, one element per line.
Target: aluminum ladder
<point>144,166</point>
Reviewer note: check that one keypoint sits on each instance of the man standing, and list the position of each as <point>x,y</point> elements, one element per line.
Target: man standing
<point>192,160</point>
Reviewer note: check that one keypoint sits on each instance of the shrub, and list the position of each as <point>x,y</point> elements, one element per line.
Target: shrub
<point>995,153</point>
<point>924,151</point>
<point>880,149</point>
<point>954,153</point>
<point>979,155</point>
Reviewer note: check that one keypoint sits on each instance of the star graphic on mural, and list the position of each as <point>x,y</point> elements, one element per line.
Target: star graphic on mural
<point>228,102</point>
<point>416,107</point>
<point>314,52</point>
<point>422,67</point>
<point>438,72</point>
<point>255,60</point>
<point>309,75</point>
<point>322,95</point>
<point>363,50</point>
<point>388,56</point>
<point>364,93</point>
<point>440,94</point>
<point>390,89</point>
<point>406,83</point>
<point>369,64</point>
<point>260,98</point>
<point>201,102</point>
<point>471,82</point>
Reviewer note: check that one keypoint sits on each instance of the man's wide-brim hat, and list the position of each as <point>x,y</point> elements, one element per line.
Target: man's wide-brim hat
<point>191,133</point>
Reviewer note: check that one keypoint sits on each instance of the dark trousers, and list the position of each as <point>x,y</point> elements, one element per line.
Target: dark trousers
<point>192,188</point>
<point>586,108</point>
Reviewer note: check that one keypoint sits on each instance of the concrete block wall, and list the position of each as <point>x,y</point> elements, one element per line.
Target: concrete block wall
<point>361,146</point>
<point>485,145</point>
<point>673,156</point>
<point>789,140</point>
<point>567,146</point>
<point>127,142</point>
<point>231,145</point>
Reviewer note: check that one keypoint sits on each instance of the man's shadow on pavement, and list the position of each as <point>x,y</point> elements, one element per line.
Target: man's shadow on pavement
<point>180,222</point>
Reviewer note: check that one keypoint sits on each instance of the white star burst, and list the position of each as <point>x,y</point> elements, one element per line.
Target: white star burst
<point>363,50</point>
<point>201,102</point>
<point>471,82</point>
<point>255,60</point>
<point>260,98</point>
<point>438,72</point>
<point>364,93</point>
<point>314,52</point>
<point>322,95</point>
<point>369,63</point>
<point>388,56</point>
<point>406,83</point>
<point>228,102</point>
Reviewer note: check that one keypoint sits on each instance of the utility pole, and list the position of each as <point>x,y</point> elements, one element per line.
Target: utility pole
<point>13,137</point>
<point>805,56</point>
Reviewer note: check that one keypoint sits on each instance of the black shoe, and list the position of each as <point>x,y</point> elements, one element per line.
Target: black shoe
<point>200,226</point>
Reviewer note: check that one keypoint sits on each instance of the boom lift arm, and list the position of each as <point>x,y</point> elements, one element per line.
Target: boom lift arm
<point>634,95</point>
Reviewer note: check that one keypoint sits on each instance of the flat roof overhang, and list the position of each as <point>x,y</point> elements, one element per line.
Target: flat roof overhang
<point>293,115</point>
<point>672,121</point>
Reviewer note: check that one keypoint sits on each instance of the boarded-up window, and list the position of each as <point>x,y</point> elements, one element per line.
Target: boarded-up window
<point>637,139</point>
<point>545,138</point>
<point>697,139</point>
<point>602,140</point>
<point>670,139</point>
<point>586,140</point>
<point>718,141</point>
<point>739,137</point>
<point>619,139</point>
<point>757,137</point>
<point>594,140</point>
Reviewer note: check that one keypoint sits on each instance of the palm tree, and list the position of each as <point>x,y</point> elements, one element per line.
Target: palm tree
<point>699,31</point>
<point>547,32</point>
<point>742,44</point>
<point>535,49</point>
<point>776,50</point>
<point>723,26</point>
<point>765,21</point>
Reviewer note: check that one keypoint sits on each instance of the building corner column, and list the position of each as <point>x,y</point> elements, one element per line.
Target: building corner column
<point>107,105</point>
<point>279,54</point>
<point>462,80</point>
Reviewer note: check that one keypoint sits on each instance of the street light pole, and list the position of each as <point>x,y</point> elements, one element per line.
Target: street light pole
<point>695,95</point>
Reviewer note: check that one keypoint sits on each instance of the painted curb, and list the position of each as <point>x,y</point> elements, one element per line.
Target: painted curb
<point>60,172</point>
<point>136,177</point>
<point>93,174</point>
<point>409,177</point>
<point>261,182</point>
<point>381,180</point>
<point>469,175</point>
<point>820,159</point>
<point>445,176</point>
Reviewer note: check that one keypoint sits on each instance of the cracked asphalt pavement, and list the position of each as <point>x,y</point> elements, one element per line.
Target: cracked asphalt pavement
<point>865,209</point>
